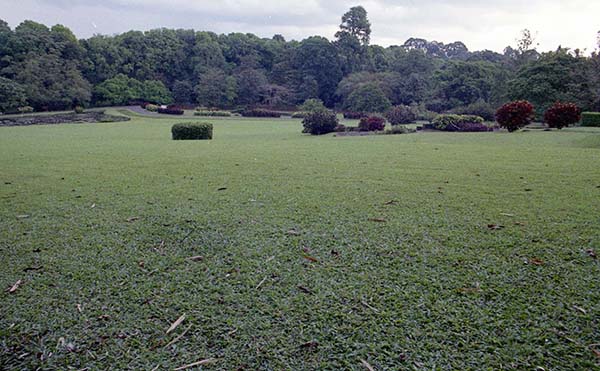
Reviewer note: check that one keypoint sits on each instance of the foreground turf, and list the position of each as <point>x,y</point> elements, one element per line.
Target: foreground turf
<point>423,251</point>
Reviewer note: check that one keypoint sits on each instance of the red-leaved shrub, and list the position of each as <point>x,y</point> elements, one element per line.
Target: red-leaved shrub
<point>561,115</point>
<point>372,123</point>
<point>515,115</point>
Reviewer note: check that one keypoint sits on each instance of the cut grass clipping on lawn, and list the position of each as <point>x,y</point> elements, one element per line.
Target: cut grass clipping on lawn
<point>269,249</point>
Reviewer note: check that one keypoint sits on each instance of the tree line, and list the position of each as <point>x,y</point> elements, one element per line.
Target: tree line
<point>48,68</point>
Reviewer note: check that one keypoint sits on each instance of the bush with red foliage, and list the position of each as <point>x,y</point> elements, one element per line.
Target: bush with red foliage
<point>515,115</point>
<point>372,123</point>
<point>170,111</point>
<point>561,115</point>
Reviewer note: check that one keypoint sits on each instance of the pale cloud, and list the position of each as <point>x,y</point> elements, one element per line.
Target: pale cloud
<point>479,24</point>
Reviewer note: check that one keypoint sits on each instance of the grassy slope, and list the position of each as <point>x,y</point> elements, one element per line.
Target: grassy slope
<point>430,288</point>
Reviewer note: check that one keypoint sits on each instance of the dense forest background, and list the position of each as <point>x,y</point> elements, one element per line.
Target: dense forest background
<point>50,69</point>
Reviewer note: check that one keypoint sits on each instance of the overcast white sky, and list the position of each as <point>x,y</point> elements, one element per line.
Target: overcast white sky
<point>480,25</point>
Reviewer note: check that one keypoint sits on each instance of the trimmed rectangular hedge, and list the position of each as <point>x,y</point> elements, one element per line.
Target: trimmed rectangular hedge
<point>259,112</point>
<point>170,111</point>
<point>192,131</point>
<point>590,119</point>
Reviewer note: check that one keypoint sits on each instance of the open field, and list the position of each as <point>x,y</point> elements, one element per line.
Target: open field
<point>321,253</point>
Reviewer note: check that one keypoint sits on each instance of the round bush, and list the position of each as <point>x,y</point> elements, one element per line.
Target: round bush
<point>192,131</point>
<point>372,123</point>
<point>515,115</point>
<point>319,122</point>
<point>561,115</point>
<point>401,115</point>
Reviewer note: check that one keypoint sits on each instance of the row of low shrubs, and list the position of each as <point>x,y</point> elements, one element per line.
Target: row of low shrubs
<point>259,112</point>
<point>192,131</point>
<point>210,113</point>
<point>323,122</point>
<point>171,111</point>
<point>460,123</point>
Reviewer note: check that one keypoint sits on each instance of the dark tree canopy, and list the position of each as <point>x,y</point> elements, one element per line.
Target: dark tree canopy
<point>49,68</point>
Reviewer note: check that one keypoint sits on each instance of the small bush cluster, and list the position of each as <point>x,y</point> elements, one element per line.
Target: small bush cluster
<point>401,115</point>
<point>561,115</point>
<point>25,109</point>
<point>78,110</point>
<point>372,123</point>
<point>453,122</point>
<point>341,128</point>
<point>479,108</point>
<point>354,115</point>
<point>465,127</point>
<point>259,112</point>
<point>590,119</point>
<point>398,129</point>
<point>299,115</point>
<point>515,115</point>
<point>209,113</point>
<point>192,131</point>
<point>320,122</point>
<point>152,107</point>
<point>170,111</point>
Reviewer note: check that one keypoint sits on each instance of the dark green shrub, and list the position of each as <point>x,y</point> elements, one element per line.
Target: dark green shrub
<point>259,112</point>
<point>515,115</point>
<point>371,123</point>
<point>312,104</point>
<point>479,108</point>
<point>152,107</point>
<point>442,122</point>
<point>399,115</point>
<point>192,130</point>
<point>354,115</point>
<point>590,119</point>
<point>319,122</point>
<point>561,115</point>
<point>171,111</point>
<point>78,110</point>
<point>367,98</point>
<point>399,129</point>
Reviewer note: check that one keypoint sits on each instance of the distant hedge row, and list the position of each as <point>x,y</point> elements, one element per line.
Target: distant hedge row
<point>590,119</point>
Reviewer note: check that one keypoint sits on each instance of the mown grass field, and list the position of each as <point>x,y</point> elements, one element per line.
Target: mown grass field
<point>321,253</point>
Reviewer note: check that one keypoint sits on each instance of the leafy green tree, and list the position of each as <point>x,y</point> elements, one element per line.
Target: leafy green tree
<point>120,90</point>
<point>155,92</point>
<point>12,95</point>
<point>183,92</point>
<point>318,59</point>
<point>356,23</point>
<point>312,105</point>
<point>249,84</point>
<point>555,76</point>
<point>367,98</point>
<point>117,91</point>
<point>216,89</point>
<point>53,83</point>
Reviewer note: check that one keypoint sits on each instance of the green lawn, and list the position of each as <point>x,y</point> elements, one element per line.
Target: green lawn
<point>321,253</point>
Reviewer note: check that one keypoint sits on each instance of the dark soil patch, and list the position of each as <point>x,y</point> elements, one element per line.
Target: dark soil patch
<point>67,118</point>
